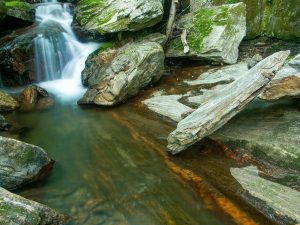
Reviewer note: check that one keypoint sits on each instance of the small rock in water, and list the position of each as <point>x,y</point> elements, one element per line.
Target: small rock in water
<point>3,123</point>
<point>17,210</point>
<point>21,163</point>
<point>7,103</point>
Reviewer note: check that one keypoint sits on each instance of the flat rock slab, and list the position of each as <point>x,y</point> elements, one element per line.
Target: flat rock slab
<point>20,211</point>
<point>21,163</point>
<point>286,83</point>
<point>122,73</point>
<point>280,203</point>
<point>110,16</point>
<point>213,34</point>
<point>219,107</point>
<point>169,106</point>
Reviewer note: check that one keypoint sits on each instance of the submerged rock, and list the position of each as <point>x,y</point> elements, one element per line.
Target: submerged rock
<point>276,201</point>
<point>218,107</point>
<point>21,163</point>
<point>104,16</point>
<point>286,83</point>
<point>213,34</point>
<point>121,74</point>
<point>7,103</point>
<point>4,125</point>
<point>15,209</point>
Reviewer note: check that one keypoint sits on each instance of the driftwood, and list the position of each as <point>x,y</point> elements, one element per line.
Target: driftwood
<point>222,105</point>
<point>170,24</point>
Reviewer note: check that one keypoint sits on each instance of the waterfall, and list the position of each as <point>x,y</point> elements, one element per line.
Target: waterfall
<point>59,57</point>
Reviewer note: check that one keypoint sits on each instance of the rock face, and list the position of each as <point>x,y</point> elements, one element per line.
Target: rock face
<point>121,74</point>
<point>286,82</point>
<point>17,210</point>
<point>21,163</point>
<point>7,103</point>
<point>110,16</point>
<point>277,18</point>
<point>213,34</point>
<point>220,106</point>
<point>279,203</point>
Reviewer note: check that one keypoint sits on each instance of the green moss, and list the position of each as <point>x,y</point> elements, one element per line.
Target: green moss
<point>102,48</point>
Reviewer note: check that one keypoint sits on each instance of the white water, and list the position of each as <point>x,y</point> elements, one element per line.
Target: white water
<point>58,56</point>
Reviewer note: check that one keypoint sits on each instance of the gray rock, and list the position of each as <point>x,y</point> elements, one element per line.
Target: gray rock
<point>286,83</point>
<point>110,16</point>
<point>121,74</point>
<point>21,163</point>
<point>15,210</point>
<point>7,103</point>
<point>213,34</point>
<point>220,106</point>
<point>281,203</point>
<point>169,106</point>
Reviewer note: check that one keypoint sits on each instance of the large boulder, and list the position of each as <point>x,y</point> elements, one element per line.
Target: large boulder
<point>286,82</point>
<point>15,209</point>
<point>7,103</point>
<point>110,16</point>
<point>276,18</point>
<point>118,74</point>
<point>213,34</point>
<point>21,163</point>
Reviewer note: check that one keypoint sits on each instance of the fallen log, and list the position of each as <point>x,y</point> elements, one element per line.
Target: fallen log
<point>220,106</point>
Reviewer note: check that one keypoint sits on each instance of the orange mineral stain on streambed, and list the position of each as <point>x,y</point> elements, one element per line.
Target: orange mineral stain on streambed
<point>211,200</point>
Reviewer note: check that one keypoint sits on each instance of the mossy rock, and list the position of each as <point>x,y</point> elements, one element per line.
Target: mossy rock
<point>105,16</point>
<point>20,10</point>
<point>272,18</point>
<point>15,209</point>
<point>21,163</point>
<point>7,103</point>
<point>213,34</point>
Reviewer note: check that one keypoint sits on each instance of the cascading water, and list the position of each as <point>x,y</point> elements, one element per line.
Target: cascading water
<point>59,57</point>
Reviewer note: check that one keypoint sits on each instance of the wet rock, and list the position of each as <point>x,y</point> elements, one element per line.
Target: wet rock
<point>45,103</point>
<point>121,74</point>
<point>220,106</point>
<point>16,54</point>
<point>34,95</point>
<point>276,201</point>
<point>15,209</point>
<point>169,106</point>
<point>286,82</point>
<point>7,103</point>
<point>4,125</point>
<point>213,34</point>
<point>118,15</point>
<point>21,163</point>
